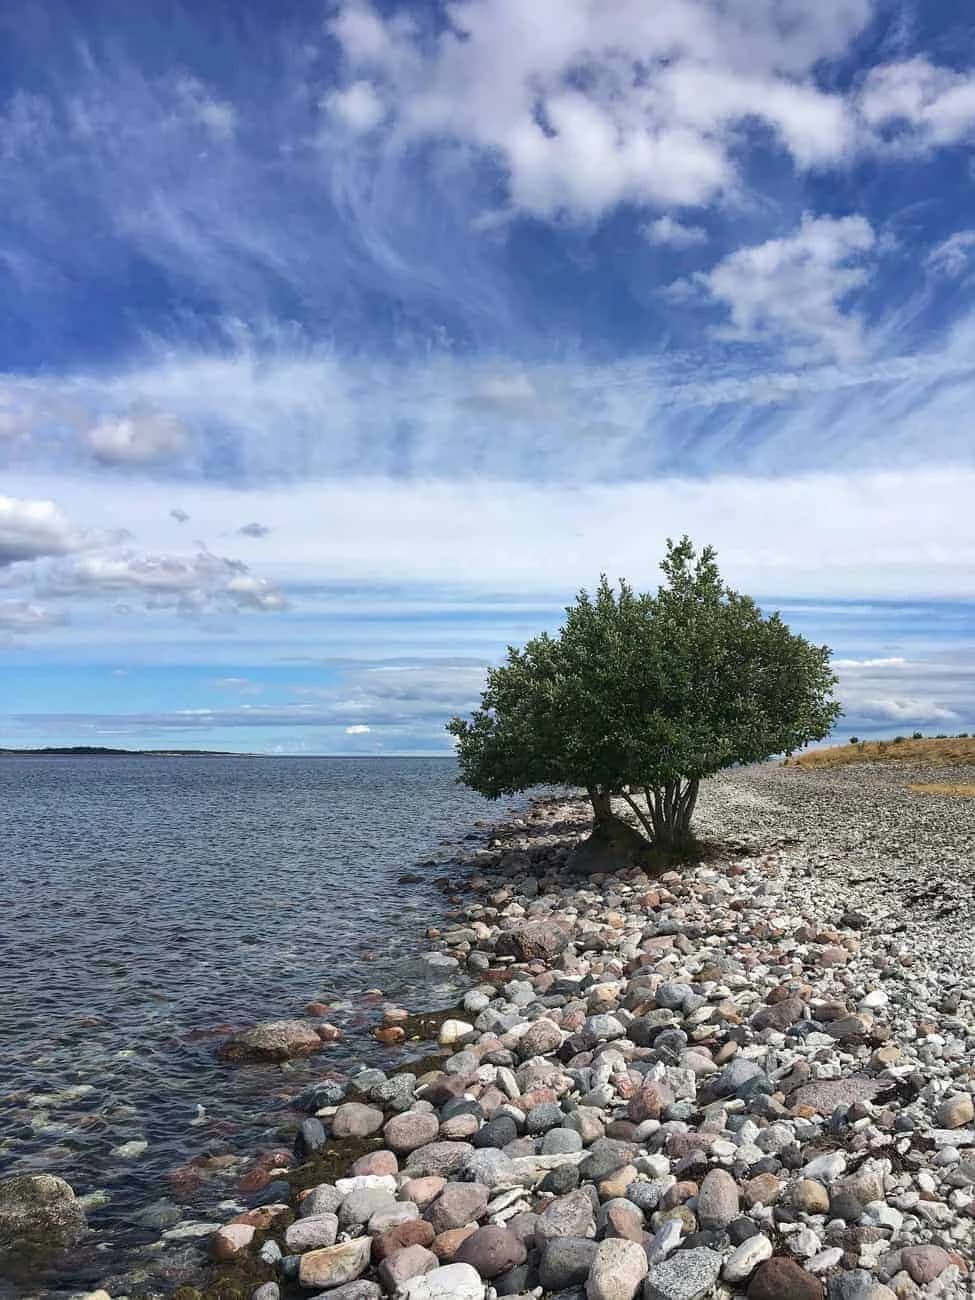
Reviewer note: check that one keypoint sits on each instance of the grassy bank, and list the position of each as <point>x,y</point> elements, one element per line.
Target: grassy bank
<point>944,751</point>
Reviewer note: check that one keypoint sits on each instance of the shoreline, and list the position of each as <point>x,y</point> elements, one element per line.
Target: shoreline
<point>859,1100</point>
<point>639,999</point>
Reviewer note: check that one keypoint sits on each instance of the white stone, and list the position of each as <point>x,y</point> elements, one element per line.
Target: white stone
<point>452,1031</point>
<point>827,1168</point>
<point>743,1261</point>
<point>367,1183</point>
<point>824,1261</point>
<point>452,1282</point>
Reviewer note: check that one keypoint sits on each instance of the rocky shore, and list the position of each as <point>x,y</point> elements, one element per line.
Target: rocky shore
<point>752,1078</point>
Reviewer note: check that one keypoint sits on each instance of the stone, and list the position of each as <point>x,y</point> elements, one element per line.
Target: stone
<point>763,1189</point>
<point>490,1167</point>
<point>423,1191</point>
<point>38,1212</point>
<point>376,1162</point>
<point>440,1158</point>
<point>565,1262</point>
<point>780,1015</point>
<point>450,1282</point>
<point>446,1244</point>
<point>353,1119</point>
<point>783,1279</point>
<point>924,1263</point>
<point>824,1095</point>
<point>271,1040</point>
<point>956,1111</point>
<point>414,1232</point>
<point>492,1250</point>
<point>458,1203</point>
<point>323,1199</point>
<point>311,1232</point>
<point>393,1217</point>
<point>688,1275</point>
<point>267,1291</point>
<point>617,1270</point>
<point>538,941</point>
<point>567,1216</point>
<point>858,1285</point>
<point>744,1259</point>
<point>717,1200</point>
<point>497,1132</point>
<point>811,1197</point>
<point>541,1038</point>
<point>231,1240</point>
<point>331,1267</point>
<point>359,1207</point>
<point>410,1130</point>
<point>404,1264</point>
<point>359,1290</point>
<point>454,1031</point>
<point>311,1138</point>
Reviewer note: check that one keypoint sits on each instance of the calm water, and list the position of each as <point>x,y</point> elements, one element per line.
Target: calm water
<point>147,902</point>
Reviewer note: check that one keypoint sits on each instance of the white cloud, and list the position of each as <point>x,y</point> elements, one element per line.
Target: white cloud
<point>791,290</point>
<point>358,106</point>
<point>21,616</point>
<point>917,105</point>
<point>358,730</point>
<point>904,709</point>
<point>217,116</point>
<point>31,529</point>
<point>190,584</point>
<point>136,439</point>
<point>665,230</point>
<point>953,255</point>
<point>775,536</point>
<point>849,665</point>
<point>586,106</point>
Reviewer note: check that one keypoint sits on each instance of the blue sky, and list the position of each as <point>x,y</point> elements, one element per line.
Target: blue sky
<point>341,343</point>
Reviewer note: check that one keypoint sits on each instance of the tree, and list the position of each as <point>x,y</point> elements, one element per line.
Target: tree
<point>640,697</point>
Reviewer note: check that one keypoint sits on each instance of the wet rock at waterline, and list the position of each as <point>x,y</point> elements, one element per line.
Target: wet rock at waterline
<point>272,1040</point>
<point>39,1215</point>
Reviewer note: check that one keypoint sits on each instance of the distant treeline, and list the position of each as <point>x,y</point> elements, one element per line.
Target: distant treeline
<point>99,751</point>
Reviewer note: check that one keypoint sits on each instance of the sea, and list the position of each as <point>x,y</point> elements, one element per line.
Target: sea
<point>152,904</point>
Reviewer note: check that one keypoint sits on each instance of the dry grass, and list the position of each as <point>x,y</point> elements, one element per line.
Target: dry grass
<point>966,791</point>
<point>950,752</point>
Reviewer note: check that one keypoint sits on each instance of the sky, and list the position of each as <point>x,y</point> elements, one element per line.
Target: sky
<point>342,343</point>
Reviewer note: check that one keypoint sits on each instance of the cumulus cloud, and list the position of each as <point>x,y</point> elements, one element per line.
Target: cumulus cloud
<point>254,530</point>
<point>916,105</point>
<point>668,231</point>
<point>136,439</point>
<point>190,584</point>
<point>179,515</point>
<point>585,107</point>
<point>31,529</point>
<point>792,289</point>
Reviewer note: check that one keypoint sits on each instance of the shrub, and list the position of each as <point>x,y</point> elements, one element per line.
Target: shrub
<point>643,695</point>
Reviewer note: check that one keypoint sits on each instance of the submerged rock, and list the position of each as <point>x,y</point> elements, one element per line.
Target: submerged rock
<point>271,1040</point>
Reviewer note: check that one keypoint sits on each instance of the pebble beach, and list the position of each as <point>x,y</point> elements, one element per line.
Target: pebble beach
<point>753,1077</point>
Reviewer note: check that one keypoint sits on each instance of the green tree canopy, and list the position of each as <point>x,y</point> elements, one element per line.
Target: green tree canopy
<point>640,696</point>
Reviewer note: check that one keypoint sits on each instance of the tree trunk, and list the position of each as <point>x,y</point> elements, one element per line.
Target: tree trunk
<point>671,809</point>
<point>602,804</point>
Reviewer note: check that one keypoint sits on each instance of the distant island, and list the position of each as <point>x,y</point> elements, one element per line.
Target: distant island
<point>100,751</point>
